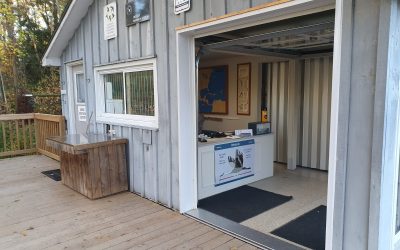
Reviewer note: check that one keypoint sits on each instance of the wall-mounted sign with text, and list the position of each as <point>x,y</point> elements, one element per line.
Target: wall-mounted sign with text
<point>181,6</point>
<point>110,21</point>
<point>234,161</point>
<point>137,11</point>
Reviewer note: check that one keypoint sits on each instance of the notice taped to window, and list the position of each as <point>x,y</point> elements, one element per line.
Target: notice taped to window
<point>234,161</point>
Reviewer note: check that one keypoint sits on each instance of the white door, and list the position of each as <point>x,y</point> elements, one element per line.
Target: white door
<point>79,100</point>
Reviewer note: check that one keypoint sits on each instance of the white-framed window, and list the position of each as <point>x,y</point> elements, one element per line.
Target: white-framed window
<point>126,94</point>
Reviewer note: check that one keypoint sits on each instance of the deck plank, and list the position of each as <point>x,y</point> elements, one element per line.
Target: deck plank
<point>156,233</point>
<point>104,234</point>
<point>131,237</point>
<point>171,238</point>
<point>247,247</point>
<point>216,242</point>
<point>73,214</point>
<point>57,233</point>
<point>233,244</point>
<point>193,243</point>
<point>39,213</point>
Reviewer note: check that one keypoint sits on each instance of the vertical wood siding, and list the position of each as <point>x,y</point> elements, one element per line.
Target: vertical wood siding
<point>153,168</point>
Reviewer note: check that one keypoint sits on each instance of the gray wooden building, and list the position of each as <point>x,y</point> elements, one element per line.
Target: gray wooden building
<point>355,113</point>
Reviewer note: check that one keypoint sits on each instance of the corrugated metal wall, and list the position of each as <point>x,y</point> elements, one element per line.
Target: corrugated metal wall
<point>316,108</point>
<point>154,167</point>
<point>277,99</point>
<point>313,127</point>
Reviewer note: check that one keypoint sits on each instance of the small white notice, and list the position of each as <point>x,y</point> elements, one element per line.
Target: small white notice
<point>244,132</point>
<point>82,113</point>
<point>181,6</point>
<point>110,21</point>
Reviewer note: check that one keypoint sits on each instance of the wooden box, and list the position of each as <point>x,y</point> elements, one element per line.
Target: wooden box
<point>93,165</point>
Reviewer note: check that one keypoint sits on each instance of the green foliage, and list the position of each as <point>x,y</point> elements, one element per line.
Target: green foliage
<point>26,28</point>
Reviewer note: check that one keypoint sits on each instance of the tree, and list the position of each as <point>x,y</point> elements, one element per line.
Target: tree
<point>26,28</point>
<point>8,46</point>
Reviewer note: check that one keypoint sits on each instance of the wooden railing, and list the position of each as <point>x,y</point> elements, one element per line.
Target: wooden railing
<point>23,134</point>
<point>47,126</point>
<point>17,134</point>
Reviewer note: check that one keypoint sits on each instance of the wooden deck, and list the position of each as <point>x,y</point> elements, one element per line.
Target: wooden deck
<point>37,213</point>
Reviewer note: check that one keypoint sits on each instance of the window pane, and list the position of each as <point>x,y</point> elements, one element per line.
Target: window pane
<point>114,93</point>
<point>140,93</point>
<point>80,89</point>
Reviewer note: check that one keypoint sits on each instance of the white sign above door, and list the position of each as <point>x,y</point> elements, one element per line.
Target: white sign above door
<point>110,21</point>
<point>181,6</point>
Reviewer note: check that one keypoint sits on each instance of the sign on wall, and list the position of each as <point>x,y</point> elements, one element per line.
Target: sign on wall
<point>243,88</point>
<point>181,6</point>
<point>110,21</point>
<point>137,11</point>
<point>82,113</point>
<point>234,161</point>
<point>213,90</point>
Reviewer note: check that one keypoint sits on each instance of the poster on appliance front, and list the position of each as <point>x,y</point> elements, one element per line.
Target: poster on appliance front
<point>234,161</point>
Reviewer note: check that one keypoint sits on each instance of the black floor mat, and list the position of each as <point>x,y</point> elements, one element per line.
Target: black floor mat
<point>242,203</point>
<point>53,174</point>
<point>307,230</point>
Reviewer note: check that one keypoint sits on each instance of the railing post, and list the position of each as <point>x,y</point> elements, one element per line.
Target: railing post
<point>36,132</point>
<point>62,126</point>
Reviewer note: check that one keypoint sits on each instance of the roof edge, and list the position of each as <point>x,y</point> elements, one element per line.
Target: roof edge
<point>51,61</point>
<point>76,10</point>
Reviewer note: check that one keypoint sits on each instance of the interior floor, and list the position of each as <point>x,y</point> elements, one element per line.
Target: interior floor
<point>308,188</point>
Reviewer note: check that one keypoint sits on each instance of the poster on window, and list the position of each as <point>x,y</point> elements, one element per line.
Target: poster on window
<point>234,161</point>
<point>243,88</point>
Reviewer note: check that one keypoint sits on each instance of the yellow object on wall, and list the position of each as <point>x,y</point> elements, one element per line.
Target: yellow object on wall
<point>264,115</point>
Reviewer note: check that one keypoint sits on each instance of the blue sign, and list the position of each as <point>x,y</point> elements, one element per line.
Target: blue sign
<point>234,161</point>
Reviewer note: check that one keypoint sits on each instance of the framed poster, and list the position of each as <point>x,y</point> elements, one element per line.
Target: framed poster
<point>234,161</point>
<point>213,90</point>
<point>243,89</point>
<point>110,21</point>
<point>137,11</point>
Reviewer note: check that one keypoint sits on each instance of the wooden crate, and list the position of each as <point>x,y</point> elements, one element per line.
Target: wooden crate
<point>96,169</point>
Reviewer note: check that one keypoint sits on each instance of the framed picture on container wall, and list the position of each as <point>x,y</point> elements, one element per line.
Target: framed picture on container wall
<point>243,88</point>
<point>213,90</point>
